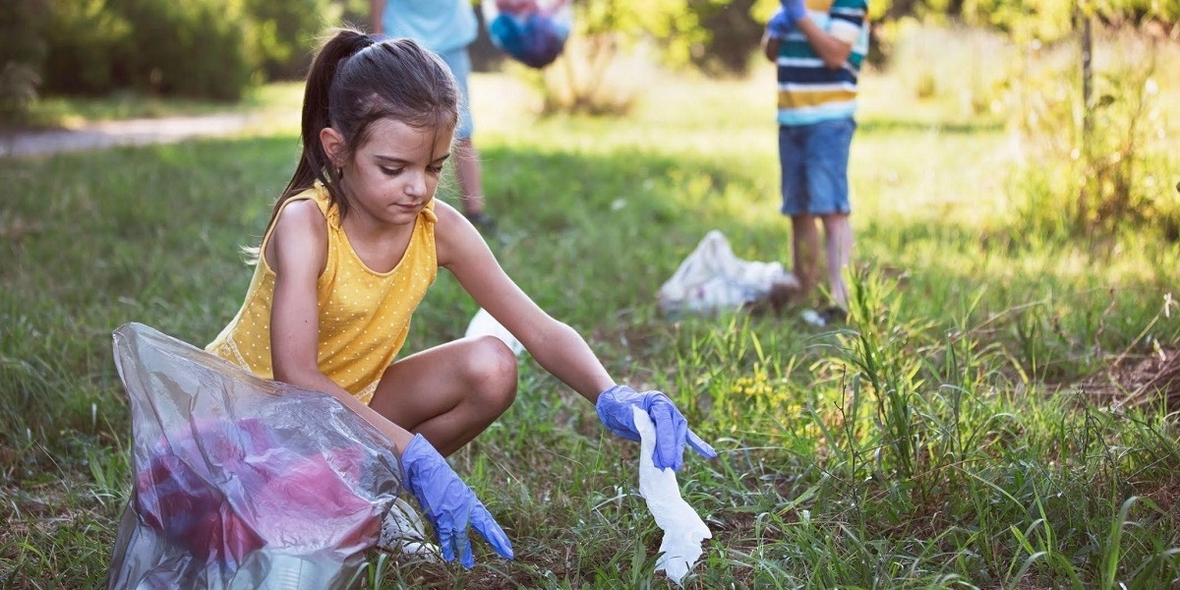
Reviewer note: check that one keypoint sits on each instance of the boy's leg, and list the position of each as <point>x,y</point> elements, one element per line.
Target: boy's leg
<point>450,393</point>
<point>792,155</point>
<point>828,145</point>
<point>805,249</point>
<point>838,248</point>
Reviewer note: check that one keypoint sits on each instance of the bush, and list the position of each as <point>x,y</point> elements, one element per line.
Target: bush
<point>21,54</point>
<point>1098,170</point>
<point>197,48</point>
<point>192,48</point>
<point>82,38</point>
<point>285,33</point>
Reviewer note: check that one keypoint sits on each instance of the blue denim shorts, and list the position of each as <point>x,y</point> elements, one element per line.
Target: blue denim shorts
<point>814,161</point>
<point>460,63</point>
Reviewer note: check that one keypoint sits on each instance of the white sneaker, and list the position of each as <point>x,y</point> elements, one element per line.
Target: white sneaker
<point>402,532</point>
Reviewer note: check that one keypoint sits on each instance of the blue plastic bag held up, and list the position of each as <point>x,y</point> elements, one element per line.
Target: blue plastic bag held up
<point>241,482</point>
<point>532,32</point>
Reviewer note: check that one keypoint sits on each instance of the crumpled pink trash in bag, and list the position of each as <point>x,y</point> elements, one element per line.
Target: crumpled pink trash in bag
<point>241,482</point>
<point>291,496</point>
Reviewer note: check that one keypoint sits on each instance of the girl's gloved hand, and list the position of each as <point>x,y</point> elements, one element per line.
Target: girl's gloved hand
<point>672,433</point>
<point>449,504</point>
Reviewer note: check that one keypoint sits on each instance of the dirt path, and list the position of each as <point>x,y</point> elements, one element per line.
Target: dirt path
<point>109,134</point>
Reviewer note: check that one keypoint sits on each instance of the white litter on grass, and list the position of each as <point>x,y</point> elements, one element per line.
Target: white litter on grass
<point>812,317</point>
<point>712,279</point>
<point>483,324</point>
<point>684,531</point>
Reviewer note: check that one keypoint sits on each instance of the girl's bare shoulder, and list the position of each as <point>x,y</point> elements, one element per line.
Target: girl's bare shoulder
<point>301,216</point>
<point>455,238</point>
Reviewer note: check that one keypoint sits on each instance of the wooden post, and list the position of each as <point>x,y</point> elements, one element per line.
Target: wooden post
<point>1087,43</point>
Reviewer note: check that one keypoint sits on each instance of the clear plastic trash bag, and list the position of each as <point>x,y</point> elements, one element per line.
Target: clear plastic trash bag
<point>241,482</point>
<point>532,32</point>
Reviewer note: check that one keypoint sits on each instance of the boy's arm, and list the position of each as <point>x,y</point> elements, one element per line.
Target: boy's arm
<point>770,45</point>
<point>831,49</point>
<point>832,46</point>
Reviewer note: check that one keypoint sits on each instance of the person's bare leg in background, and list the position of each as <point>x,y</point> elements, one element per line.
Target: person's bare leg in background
<point>470,175</point>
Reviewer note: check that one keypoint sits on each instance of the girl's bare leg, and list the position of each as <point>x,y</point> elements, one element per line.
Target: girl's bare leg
<point>450,393</point>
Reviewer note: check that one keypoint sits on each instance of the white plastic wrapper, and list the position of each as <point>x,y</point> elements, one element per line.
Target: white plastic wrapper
<point>684,531</point>
<point>713,279</point>
<point>241,482</point>
<point>483,324</point>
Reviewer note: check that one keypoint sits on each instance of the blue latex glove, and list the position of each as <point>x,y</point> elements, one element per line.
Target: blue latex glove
<point>779,24</point>
<point>795,9</point>
<point>783,20</point>
<point>449,504</point>
<point>672,433</point>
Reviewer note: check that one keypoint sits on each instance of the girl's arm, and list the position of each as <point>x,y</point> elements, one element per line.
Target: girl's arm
<point>296,252</point>
<point>557,347</point>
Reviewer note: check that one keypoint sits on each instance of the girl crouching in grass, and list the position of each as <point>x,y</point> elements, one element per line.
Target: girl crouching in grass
<point>353,244</point>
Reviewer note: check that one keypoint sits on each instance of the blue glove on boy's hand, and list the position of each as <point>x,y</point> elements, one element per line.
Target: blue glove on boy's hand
<point>795,9</point>
<point>783,20</point>
<point>779,25</point>
<point>672,433</point>
<point>449,504</point>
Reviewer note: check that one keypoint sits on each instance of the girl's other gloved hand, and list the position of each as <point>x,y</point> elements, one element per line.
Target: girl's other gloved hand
<point>672,433</point>
<point>449,504</point>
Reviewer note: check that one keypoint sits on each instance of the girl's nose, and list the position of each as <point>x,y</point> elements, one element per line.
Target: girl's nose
<point>416,185</point>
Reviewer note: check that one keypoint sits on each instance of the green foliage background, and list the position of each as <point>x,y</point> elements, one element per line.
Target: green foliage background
<point>218,48</point>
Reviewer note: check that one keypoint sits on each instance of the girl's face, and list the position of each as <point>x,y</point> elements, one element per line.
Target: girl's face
<point>391,177</point>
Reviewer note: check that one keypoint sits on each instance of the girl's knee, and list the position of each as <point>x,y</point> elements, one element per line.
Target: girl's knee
<point>494,367</point>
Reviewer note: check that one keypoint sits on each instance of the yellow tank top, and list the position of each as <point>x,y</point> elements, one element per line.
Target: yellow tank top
<point>364,315</point>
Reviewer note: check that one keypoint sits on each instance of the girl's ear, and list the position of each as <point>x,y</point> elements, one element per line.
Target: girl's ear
<point>334,145</point>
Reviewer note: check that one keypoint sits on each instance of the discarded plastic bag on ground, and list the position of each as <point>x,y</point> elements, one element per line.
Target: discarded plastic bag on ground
<point>532,32</point>
<point>684,531</point>
<point>713,279</point>
<point>241,482</point>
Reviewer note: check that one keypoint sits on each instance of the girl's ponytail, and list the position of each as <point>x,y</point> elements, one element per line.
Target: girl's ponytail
<point>313,162</point>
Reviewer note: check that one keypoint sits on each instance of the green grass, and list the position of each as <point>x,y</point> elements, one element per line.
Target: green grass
<point>938,441</point>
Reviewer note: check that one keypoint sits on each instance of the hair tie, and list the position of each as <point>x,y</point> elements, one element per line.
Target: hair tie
<point>366,42</point>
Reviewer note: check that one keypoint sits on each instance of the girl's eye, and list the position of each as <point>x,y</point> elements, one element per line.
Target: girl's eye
<point>391,171</point>
<point>435,169</point>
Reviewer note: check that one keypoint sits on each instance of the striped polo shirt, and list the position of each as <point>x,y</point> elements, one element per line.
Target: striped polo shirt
<point>809,91</point>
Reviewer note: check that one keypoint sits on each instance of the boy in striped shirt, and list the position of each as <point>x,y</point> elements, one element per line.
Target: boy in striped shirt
<point>818,50</point>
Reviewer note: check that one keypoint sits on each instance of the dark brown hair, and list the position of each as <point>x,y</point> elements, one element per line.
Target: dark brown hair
<point>354,81</point>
